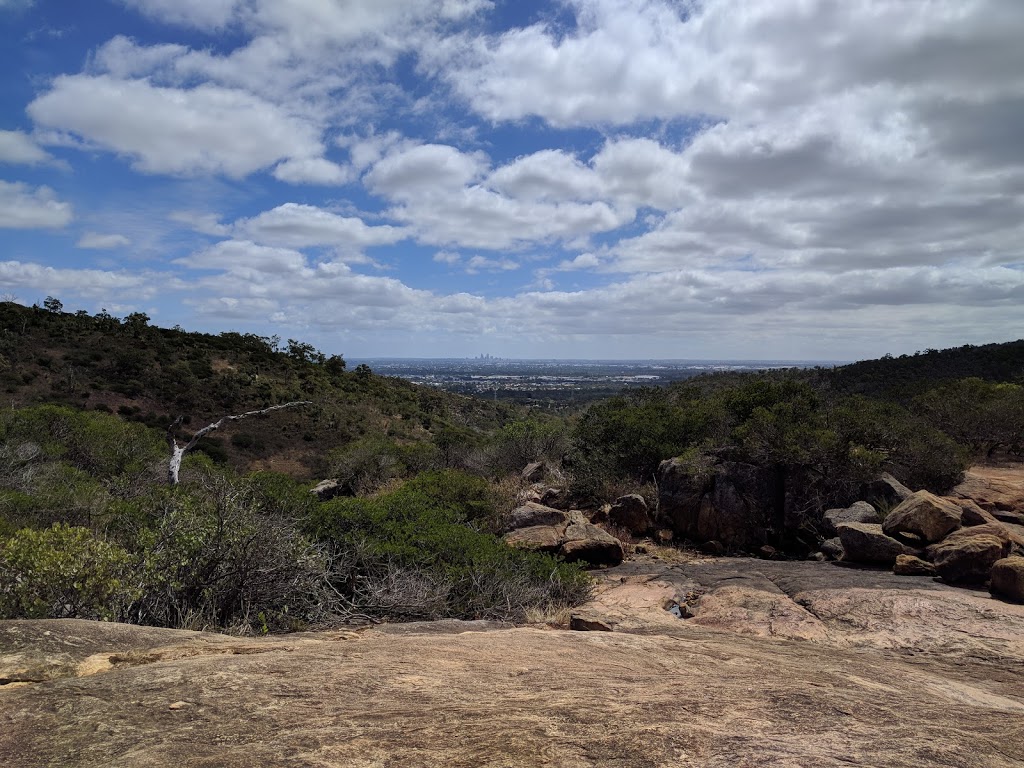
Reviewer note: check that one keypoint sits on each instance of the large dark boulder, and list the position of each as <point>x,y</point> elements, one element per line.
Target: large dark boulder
<point>866,543</point>
<point>733,503</point>
<point>630,512</point>
<point>858,512</point>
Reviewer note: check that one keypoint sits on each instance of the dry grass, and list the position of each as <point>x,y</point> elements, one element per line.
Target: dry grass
<point>556,617</point>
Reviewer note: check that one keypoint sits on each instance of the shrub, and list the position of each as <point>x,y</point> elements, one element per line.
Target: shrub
<point>219,555</point>
<point>409,555</point>
<point>63,572</point>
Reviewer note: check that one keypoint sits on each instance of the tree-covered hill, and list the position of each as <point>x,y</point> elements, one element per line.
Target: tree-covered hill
<point>906,376</point>
<point>154,375</point>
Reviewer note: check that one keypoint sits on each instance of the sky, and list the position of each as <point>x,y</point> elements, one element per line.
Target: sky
<point>738,179</point>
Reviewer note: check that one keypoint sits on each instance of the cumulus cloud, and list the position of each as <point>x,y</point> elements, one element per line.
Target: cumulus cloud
<point>98,241</point>
<point>176,131</point>
<point>84,282</point>
<point>25,207</point>
<point>17,147</point>
<point>762,166</point>
<point>300,226</point>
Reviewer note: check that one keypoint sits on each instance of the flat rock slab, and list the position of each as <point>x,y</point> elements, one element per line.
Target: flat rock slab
<point>516,697</point>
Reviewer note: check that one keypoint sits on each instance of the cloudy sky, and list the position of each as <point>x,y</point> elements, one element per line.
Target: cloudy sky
<point>789,179</point>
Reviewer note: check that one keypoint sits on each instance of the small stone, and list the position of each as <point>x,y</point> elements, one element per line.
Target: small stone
<point>712,548</point>
<point>768,552</point>
<point>178,705</point>
<point>908,565</point>
<point>832,548</point>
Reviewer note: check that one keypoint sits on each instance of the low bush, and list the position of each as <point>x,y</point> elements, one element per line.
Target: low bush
<point>409,554</point>
<point>64,572</point>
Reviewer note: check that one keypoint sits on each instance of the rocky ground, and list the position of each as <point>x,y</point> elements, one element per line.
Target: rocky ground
<point>783,664</point>
<point>689,661</point>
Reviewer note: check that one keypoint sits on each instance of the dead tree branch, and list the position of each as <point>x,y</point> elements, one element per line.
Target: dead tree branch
<point>178,450</point>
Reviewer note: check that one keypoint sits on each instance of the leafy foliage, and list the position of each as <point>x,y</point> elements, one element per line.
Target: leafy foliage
<point>411,553</point>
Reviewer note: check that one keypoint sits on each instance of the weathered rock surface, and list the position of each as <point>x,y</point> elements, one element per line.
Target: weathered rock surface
<point>1008,578</point>
<point>783,664</point>
<point>867,543</point>
<point>539,538</point>
<point>925,515</point>
<point>966,556</point>
<point>326,490</point>
<point>585,541</point>
<point>832,548</point>
<point>858,512</point>
<point>569,534</point>
<point>534,471</point>
<point>972,514</point>
<point>731,506</point>
<point>908,565</point>
<point>630,512</point>
<point>531,513</point>
<point>993,488</point>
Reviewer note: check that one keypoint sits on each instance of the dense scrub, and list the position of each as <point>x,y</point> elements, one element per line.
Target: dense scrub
<point>153,375</point>
<point>89,529</point>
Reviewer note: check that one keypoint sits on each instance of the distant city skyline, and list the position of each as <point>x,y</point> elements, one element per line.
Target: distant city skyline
<point>570,179</point>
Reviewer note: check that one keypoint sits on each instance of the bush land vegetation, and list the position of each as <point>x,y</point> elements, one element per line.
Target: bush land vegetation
<point>89,527</point>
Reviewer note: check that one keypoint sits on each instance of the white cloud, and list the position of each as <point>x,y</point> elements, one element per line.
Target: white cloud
<point>18,147</point>
<point>299,226</point>
<point>482,263</point>
<point>22,207</point>
<point>244,258</point>
<point>165,130</point>
<point>447,257</point>
<point>424,170</point>
<point>444,196</point>
<point>311,170</point>
<point>100,241</point>
<point>197,13</point>
<point>82,282</point>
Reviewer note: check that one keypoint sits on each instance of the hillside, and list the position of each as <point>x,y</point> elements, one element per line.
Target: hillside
<point>154,375</point>
<point>906,376</point>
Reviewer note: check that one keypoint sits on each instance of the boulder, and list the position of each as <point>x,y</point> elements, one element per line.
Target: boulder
<point>832,548</point>
<point>908,565</point>
<point>326,490</point>
<point>1008,516</point>
<point>1008,578</point>
<point>532,514</point>
<point>967,555</point>
<point>539,538</point>
<point>571,535</point>
<point>992,488</point>
<point>858,512</point>
<point>885,491</point>
<point>973,514</point>
<point>630,512</point>
<point>731,503</point>
<point>924,515</point>
<point>867,543</point>
<point>534,471</point>
<point>585,541</point>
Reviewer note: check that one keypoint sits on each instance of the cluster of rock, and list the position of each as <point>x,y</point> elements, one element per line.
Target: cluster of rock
<point>567,533</point>
<point>928,535</point>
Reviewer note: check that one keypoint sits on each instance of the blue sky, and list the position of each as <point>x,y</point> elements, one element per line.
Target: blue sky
<point>789,179</point>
